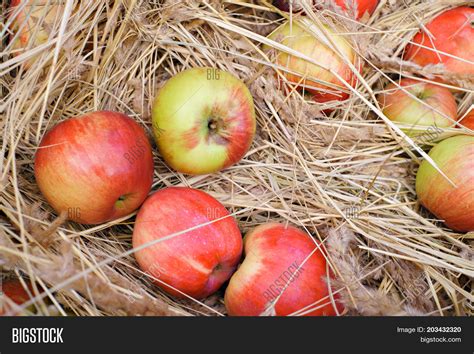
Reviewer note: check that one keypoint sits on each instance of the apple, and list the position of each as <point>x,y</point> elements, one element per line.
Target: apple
<point>468,120</point>
<point>96,167</point>
<point>413,102</point>
<point>453,204</point>
<point>32,22</point>
<point>356,8</point>
<point>203,120</point>
<point>451,32</point>
<point>196,262</point>
<point>284,267</point>
<point>14,291</point>
<point>317,80</point>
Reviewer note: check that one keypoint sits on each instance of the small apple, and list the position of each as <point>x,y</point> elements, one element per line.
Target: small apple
<point>283,267</point>
<point>14,291</point>
<point>414,102</point>
<point>96,167</point>
<point>32,23</point>
<point>451,32</point>
<point>203,120</point>
<point>357,8</point>
<point>455,205</point>
<point>196,262</point>
<point>468,120</point>
<point>317,80</point>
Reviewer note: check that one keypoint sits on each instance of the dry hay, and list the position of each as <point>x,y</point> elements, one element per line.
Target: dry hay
<point>346,177</point>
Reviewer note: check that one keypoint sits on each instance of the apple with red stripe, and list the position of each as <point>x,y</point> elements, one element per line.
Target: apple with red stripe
<point>96,167</point>
<point>15,292</point>
<point>447,40</point>
<point>195,262</point>
<point>452,204</point>
<point>414,102</point>
<point>282,274</point>
<point>203,120</point>
<point>32,21</point>
<point>317,79</point>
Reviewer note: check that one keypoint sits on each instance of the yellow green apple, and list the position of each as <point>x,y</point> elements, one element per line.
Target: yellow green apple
<point>203,120</point>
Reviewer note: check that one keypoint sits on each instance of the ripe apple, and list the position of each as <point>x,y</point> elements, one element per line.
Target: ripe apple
<point>96,167</point>
<point>455,205</point>
<point>203,120</point>
<point>468,120</point>
<point>13,290</point>
<point>451,32</point>
<point>318,80</point>
<point>196,262</point>
<point>273,273</point>
<point>415,102</point>
<point>356,8</point>
<point>32,23</point>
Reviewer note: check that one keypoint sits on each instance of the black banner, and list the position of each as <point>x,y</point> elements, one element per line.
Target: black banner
<point>295,335</point>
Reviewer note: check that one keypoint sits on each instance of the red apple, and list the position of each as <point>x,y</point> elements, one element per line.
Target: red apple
<point>414,102</point>
<point>318,80</point>
<point>203,120</point>
<point>14,291</point>
<point>284,267</point>
<point>96,167</point>
<point>468,120</point>
<point>32,22</point>
<point>455,205</point>
<point>196,262</point>
<point>357,8</point>
<point>452,33</point>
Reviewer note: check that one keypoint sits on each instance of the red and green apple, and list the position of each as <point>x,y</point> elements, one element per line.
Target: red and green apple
<point>203,120</point>
<point>32,22</point>
<point>413,102</point>
<point>96,167</point>
<point>452,204</point>
<point>318,80</point>
<point>283,273</point>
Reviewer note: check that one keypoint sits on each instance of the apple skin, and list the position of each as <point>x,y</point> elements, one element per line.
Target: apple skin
<point>203,120</point>
<point>13,289</point>
<point>96,167</point>
<point>197,262</point>
<point>451,32</point>
<point>26,22</point>
<point>399,105</point>
<point>468,120</point>
<point>271,250</point>
<point>358,7</point>
<point>455,157</point>
<point>297,38</point>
